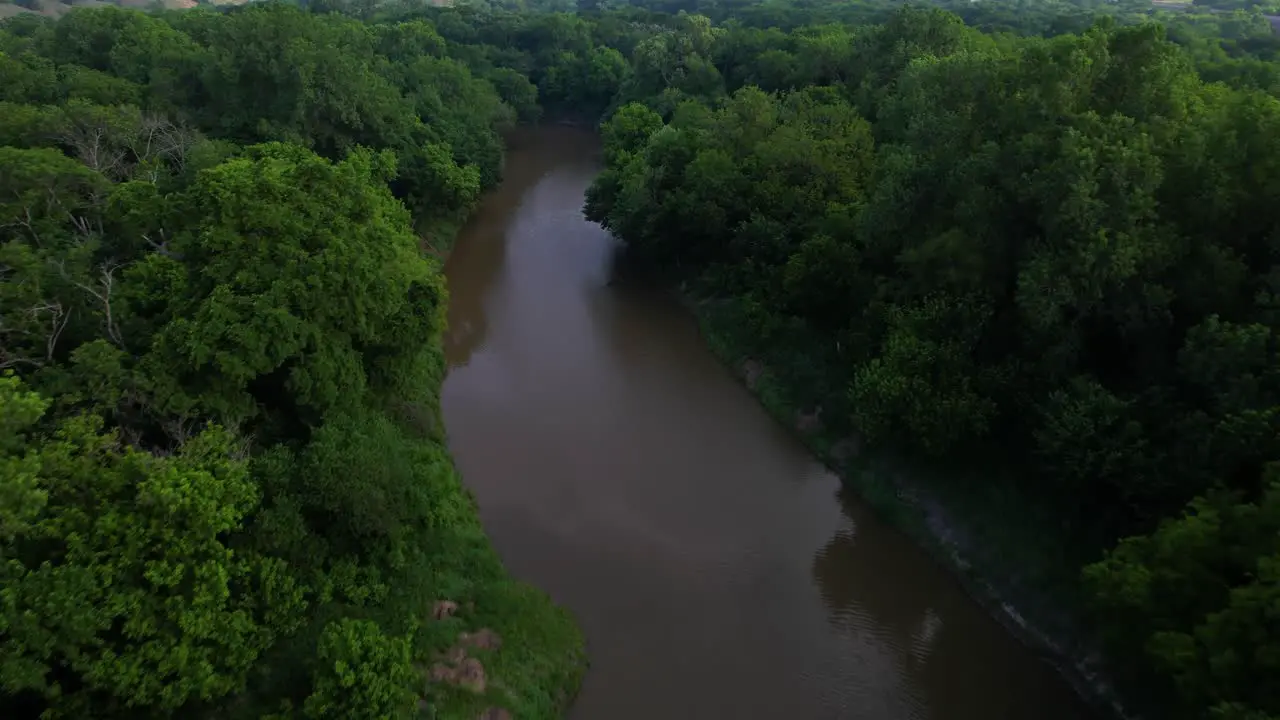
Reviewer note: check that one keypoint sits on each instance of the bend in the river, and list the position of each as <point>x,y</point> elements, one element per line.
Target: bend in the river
<point>717,569</point>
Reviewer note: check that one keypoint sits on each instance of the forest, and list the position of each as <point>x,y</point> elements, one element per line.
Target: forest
<point>224,488</point>
<point>1033,243</point>
<point>1052,259</point>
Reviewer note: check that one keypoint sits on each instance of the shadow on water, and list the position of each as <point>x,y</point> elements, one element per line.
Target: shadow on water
<point>622,469</point>
<point>932,626</point>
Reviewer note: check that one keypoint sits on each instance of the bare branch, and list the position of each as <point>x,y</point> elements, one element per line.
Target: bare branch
<point>132,436</point>
<point>243,447</point>
<point>179,428</point>
<point>91,140</point>
<point>57,322</point>
<point>162,246</point>
<point>8,356</point>
<point>160,137</point>
<point>26,222</point>
<point>9,359</point>
<point>82,226</point>
<point>58,319</point>
<point>106,284</point>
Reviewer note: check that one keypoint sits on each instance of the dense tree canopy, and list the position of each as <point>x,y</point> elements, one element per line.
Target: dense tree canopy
<point>223,485</point>
<point>951,240</point>
<point>999,234</point>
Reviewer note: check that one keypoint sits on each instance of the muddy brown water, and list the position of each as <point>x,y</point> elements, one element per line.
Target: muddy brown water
<point>717,569</point>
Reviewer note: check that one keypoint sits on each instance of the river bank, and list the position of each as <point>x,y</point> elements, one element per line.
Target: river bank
<point>715,566</point>
<point>1011,572</point>
<point>500,648</point>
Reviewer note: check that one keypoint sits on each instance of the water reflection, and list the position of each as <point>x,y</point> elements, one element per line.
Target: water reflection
<point>621,468</point>
<point>949,654</point>
<point>468,319</point>
<point>476,265</point>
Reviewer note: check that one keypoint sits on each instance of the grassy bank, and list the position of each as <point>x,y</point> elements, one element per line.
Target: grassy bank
<point>1006,549</point>
<point>530,652</point>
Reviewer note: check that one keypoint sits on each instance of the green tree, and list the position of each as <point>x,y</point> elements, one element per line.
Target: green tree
<point>120,590</point>
<point>362,674</point>
<point>303,288</point>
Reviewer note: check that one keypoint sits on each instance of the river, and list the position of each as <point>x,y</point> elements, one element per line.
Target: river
<point>716,568</point>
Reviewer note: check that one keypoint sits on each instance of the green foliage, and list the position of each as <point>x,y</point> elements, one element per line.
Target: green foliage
<point>365,675</point>
<point>961,245</point>
<point>923,383</point>
<point>223,489</point>
<point>297,268</point>
<point>1192,605</point>
<point>120,589</point>
<point>223,485</point>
